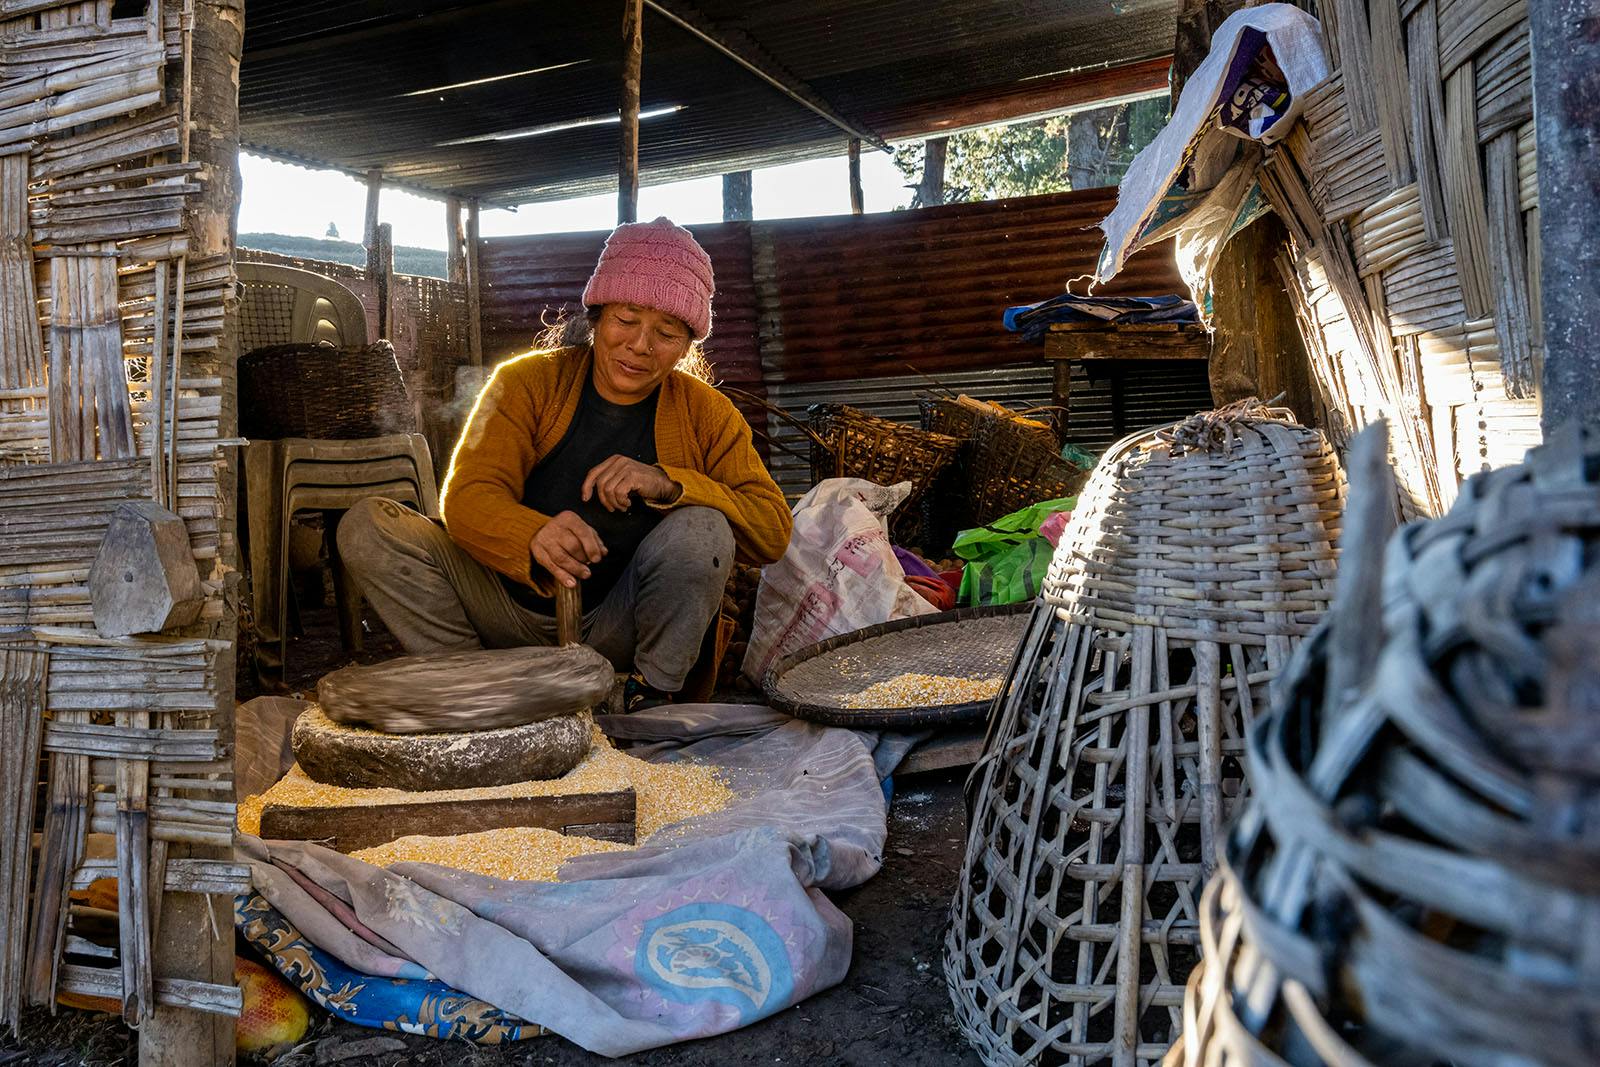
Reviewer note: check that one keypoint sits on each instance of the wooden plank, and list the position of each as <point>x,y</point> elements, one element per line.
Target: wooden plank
<point>1509,251</point>
<point>1389,70</point>
<point>21,344</point>
<point>133,879</point>
<point>23,679</point>
<point>217,999</point>
<point>628,148</point>
<point>608,816</point>
<point>857,199</point>
<point>1427,114</point>
<point>455,242</point>
<point>1464,205</point>
<point>942,751</point>
<point>474,288</point>
<point>1164,341</point>
<point>183,876</point>
<point>60,852</point>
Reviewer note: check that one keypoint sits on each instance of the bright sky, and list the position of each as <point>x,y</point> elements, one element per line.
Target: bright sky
<point>298,201</point>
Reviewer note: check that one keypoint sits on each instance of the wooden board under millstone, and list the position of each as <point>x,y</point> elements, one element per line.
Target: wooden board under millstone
<point>607,816</point>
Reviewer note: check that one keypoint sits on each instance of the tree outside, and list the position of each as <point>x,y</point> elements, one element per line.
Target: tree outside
<point>1084,149</point>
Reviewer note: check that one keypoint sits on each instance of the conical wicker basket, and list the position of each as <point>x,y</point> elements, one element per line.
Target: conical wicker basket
<point>1197,558</point>
<point>1417,880</point>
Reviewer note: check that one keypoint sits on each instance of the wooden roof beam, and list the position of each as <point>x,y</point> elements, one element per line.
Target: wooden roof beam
<point>749,55</point>
<point>1030,98</point>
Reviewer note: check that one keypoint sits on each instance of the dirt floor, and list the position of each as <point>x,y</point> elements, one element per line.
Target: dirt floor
<point>892,1010</point>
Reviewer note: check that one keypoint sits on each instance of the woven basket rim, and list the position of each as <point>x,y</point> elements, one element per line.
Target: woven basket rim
<point>938,715</point>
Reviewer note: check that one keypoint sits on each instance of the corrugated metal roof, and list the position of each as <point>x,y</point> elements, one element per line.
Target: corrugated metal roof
<point>341,82</point>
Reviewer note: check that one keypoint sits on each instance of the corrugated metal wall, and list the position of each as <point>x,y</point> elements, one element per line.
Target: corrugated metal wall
<point>847,296</point>
<point>860,306</point>
<point>1120,397</point>
<point>860,297</point>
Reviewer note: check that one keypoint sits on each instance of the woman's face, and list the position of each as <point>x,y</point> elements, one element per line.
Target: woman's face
<point>634,349</point>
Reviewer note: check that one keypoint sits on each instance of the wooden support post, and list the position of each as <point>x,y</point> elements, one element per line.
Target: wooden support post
<point>455,242</point>
<point>380,263</point>
<point>1062,398</point>
<point>1256,347</point>
<point>930,193</point>
<point>369,233</point>
<point>632,62</point>
<point>738,196</point>
<point>857,201</point>
<point>474,288</point>
<point>1566,112</point>
<point>190,931</point>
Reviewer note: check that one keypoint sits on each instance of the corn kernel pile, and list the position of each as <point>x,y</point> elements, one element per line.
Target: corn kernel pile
<point>664,793</point>
<point>923,691</point>
<point>516,853</point>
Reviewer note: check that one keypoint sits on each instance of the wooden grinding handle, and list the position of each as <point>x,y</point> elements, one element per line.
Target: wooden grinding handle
<point>569,615</point>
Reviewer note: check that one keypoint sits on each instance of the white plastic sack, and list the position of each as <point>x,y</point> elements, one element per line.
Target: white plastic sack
<point>838,574</point>
<point>1250,86</point>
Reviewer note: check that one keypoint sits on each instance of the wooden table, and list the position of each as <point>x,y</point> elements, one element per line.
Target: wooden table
<point>1069,342</point>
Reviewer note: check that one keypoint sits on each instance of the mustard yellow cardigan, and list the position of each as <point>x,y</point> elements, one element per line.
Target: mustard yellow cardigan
<point>702,442</point>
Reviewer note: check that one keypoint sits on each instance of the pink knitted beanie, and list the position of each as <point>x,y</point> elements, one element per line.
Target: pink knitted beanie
<point>655,265</point>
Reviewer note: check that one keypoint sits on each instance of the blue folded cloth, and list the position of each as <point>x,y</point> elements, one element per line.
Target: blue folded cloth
<point>1034,320</point>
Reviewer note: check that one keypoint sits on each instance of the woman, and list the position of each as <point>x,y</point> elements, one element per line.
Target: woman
<point>596,465</point>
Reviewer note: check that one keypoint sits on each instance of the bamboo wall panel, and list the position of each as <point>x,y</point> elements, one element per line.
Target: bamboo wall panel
<point>111,390</point>
<point>1439,327</point>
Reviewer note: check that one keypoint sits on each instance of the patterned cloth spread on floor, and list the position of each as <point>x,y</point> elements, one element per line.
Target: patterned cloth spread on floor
<point>632,950</point>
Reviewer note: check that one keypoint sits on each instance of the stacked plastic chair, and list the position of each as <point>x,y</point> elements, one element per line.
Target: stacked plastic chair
<point>312,373</point>
<point>1197,559</point>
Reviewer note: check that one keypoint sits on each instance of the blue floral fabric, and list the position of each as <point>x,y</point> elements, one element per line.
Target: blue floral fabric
<point>412,1006</point>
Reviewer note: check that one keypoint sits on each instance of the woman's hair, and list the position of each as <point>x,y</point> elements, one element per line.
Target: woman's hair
<point>567,331</point>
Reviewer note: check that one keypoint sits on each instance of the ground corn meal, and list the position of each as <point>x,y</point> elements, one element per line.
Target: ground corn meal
<point>666,793</point>
<point>516,854</point>
<point>923,691</point>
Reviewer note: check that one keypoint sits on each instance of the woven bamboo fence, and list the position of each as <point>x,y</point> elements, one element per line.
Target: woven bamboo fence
<point>1196,560</point>
<point>1410,191</point>
<point>111,389</point>
<point>1417,879</point>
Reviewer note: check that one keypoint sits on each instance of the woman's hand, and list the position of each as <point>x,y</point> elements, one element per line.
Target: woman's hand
<point>618,480</point>
<point>565,546</point>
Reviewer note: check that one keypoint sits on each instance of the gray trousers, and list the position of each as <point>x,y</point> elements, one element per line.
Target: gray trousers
<point>435,598</point>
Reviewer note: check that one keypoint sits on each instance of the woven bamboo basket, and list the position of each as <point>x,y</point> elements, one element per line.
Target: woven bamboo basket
<point>320,391</point>
<point>1198,557</point>
<point>1418,877</point>
<point>1006,458</point>
<point>849,443</point>
<point>1013,465</point>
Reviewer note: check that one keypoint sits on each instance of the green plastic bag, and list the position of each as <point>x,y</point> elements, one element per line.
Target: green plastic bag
<point>1008,559</point>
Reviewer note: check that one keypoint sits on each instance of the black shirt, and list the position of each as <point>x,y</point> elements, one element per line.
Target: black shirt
<point>599,430</point>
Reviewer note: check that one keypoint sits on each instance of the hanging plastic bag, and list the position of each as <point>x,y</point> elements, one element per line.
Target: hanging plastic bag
<point>1192,180</point>
<point>1008,559</point>
<point>839,573</point>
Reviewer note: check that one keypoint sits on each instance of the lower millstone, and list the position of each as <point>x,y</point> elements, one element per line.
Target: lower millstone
<point>354,757</point>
